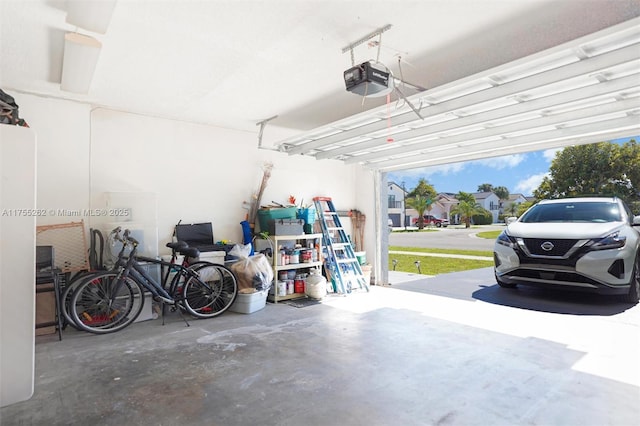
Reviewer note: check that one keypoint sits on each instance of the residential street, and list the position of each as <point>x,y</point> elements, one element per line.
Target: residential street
<point>452,237</point>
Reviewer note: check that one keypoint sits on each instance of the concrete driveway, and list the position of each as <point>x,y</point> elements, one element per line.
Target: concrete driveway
<point>554,357</point>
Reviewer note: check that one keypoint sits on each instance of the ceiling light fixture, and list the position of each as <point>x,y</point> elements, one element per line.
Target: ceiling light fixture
<point>81,51</point>
<point>93,15</point>
<point>80,58</point>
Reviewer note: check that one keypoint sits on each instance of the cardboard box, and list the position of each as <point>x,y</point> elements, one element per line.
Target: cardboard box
<point>247,303</point>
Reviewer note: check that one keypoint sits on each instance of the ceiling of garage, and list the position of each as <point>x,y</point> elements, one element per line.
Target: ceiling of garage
<point>500,76</point>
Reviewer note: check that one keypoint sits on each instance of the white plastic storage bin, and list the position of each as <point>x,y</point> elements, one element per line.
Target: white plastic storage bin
<point>212,256</point>
<point>247,303</point>
<point>147,310</point>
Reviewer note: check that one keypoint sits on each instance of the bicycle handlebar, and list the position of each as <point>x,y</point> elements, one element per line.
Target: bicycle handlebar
<point>127,238</point>
<point>115,234</point>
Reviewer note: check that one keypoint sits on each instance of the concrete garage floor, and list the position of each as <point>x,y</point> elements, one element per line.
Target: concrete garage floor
<point>448,350</point>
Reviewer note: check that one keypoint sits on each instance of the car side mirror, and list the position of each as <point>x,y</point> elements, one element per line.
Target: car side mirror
<point>636,221</point>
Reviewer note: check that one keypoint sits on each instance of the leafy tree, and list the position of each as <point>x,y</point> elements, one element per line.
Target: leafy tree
<point>485,187</point>
<point>424,189</point>
<point>523,207</point>
<point>513,209</point>
<point>630,156</point>
<point>465,196</point>
<point>603,168</point>
<point>466,209</point>
<point>502,192</point>
<point>420,204</point>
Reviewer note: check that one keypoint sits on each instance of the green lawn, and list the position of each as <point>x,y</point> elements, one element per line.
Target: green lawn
<point>436,265</point>
<point>490,235</point>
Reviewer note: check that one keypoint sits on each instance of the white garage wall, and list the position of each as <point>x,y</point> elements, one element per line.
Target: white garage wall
<point>63,131</point>
<point>197,172</point>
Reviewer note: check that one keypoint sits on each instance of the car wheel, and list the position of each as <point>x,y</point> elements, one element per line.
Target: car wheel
<point>438,225</point>
<point>634,284</point>
<point>504,284</point>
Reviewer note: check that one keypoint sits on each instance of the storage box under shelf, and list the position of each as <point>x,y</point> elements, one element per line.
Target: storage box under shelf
<point>247,303</point>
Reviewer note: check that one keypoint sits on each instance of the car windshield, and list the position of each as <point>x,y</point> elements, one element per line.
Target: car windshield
<point>597,211</point>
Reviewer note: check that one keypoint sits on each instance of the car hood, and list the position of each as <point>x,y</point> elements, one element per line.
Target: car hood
<point>563,230</point>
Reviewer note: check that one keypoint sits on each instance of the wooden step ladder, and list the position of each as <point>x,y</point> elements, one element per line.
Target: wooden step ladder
<point>341,260</point>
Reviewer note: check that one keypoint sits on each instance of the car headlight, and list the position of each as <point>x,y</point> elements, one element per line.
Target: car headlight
<point>505,240</point>
<point>611,241</point>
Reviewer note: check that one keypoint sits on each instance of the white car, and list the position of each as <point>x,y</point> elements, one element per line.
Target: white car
<point>573,243</point>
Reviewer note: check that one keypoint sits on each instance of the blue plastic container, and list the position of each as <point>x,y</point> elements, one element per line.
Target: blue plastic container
<point>308,215</point>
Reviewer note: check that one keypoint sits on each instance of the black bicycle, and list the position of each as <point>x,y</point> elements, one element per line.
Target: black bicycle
<point>109,301</point>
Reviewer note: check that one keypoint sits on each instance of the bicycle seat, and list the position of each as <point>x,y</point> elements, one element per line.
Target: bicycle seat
<point>177,245</point>
<point>189,252</point>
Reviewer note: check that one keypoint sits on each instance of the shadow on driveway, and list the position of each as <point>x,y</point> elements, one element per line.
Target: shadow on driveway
<point>554,301</point>
<point>479,284</point>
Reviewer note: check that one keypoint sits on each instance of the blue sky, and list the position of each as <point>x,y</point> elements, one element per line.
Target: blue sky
<point>519,173</point>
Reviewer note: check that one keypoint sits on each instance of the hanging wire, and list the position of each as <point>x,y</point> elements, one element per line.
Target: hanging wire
<point>389,137</point>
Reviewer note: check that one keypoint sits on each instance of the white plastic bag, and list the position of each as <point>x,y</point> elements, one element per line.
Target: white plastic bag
<point>254,273</point>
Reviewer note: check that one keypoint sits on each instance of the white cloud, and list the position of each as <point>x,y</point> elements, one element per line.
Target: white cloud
<point>498,163</point>
<point>445,169</point>
<point>528,185</point>
<point>425,172</point>
<point>550,154</point>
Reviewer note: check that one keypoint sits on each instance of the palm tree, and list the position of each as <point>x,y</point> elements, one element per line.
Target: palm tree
<point>420,204</point>
<point>466,209</point>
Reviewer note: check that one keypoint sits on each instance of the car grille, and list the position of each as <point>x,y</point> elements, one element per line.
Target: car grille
<point>535,262</point>
<point>560,247</point>
<point>550,277</point>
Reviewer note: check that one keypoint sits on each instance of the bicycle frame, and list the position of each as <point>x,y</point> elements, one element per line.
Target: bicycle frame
<point>139,274</point>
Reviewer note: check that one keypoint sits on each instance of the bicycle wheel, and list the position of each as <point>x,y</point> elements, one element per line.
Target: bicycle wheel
<point>65,297</point>
<point>68,292</point>
<point>97,306</point>
<point>210,293</point>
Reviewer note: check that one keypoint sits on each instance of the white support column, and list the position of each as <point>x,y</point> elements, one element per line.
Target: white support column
<point>381,271</point>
